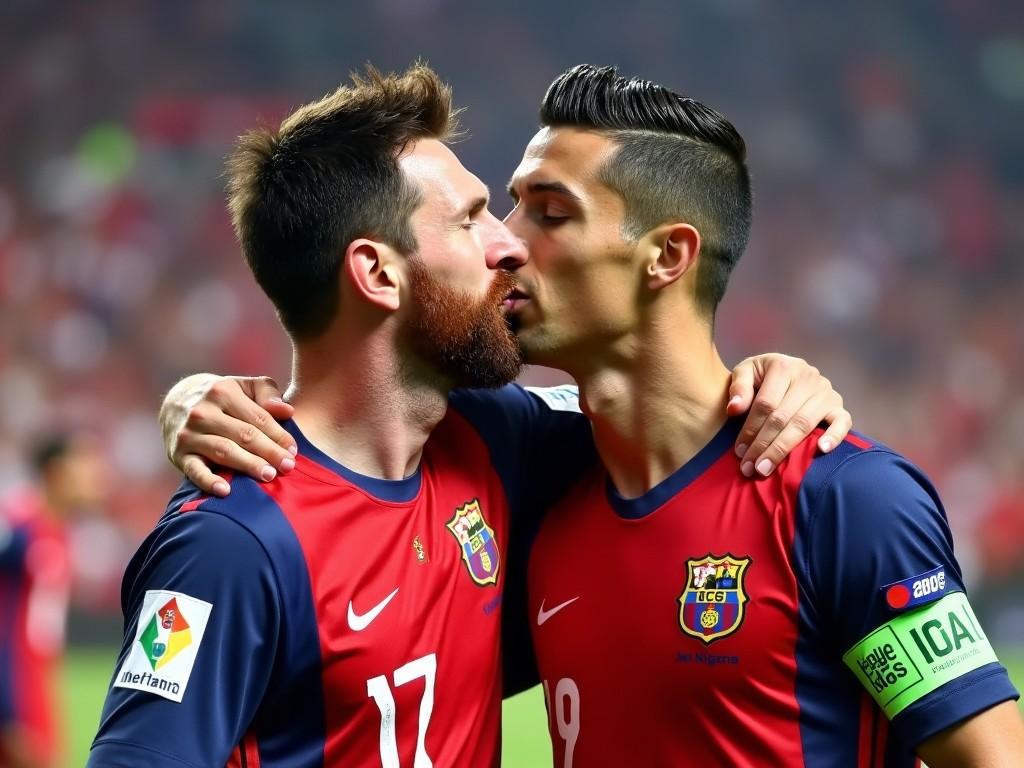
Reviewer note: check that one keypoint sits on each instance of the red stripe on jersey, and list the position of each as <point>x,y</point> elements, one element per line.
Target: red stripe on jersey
<point>859,442</point>
<point>246,754</point>
<point>867,707</point>
<point>252,752</point>
<point>191,506</point>
<point>881,737</point>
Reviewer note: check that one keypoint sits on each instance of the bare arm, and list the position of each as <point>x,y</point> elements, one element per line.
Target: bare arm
<point>992,739</point>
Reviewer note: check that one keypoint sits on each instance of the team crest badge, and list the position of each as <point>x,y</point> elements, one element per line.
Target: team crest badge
<point>712,603</point>
<point>476,539</point>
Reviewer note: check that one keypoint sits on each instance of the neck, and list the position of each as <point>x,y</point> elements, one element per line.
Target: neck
<point>654,406</point>
<point>358,403</point>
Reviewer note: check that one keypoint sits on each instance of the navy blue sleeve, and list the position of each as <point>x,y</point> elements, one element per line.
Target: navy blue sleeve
<point>202,624</point>
<point>877,529</point>
<point>540,445</point>
<point>13,545</point>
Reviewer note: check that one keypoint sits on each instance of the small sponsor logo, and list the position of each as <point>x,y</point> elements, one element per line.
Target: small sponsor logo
<point>167,639</point>
<point>357,622</point>
<point>711,605</point>
<point>916,590</point>
<point>543,616</point>
<point>476,541</point>
<point>883,664</point>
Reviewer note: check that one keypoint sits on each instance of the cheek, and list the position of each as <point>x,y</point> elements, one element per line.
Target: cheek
<point>458,261</point>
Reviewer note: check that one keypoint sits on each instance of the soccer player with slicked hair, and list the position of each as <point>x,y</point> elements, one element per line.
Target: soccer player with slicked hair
<point>682,616</point>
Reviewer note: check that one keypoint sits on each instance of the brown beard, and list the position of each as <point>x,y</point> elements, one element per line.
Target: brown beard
<point>466,340</point>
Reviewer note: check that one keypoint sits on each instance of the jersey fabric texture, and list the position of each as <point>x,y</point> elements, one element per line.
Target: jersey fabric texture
<point>328,618</point>
<point>35,581</point>
<point>705,623</point>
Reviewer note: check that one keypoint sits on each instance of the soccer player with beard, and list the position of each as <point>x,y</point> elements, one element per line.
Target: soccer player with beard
<point>349,612</point>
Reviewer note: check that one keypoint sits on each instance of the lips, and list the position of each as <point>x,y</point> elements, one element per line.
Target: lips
<point>514,300</point>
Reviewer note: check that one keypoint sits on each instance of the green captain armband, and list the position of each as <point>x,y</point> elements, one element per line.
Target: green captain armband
<point>915,653</point>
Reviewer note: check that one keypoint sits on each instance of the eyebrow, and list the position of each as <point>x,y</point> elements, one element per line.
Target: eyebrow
<point>555,187</point>
<point>474,206</point>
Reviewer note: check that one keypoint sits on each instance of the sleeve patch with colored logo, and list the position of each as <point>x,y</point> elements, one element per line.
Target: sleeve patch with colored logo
<point>170,630</point>
<point>917,590</point>
<point>919,652</point>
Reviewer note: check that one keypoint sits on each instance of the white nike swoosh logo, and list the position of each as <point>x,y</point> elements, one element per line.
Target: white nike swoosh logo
<point>543,615</point>
<point>359,622</point>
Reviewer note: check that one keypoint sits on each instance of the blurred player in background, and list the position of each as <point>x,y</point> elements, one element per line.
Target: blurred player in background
<point>349,612</point>
<point>35,582</point>
<point>678,613</point>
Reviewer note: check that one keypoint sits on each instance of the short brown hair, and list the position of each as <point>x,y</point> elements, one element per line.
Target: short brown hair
<point>329,174</point>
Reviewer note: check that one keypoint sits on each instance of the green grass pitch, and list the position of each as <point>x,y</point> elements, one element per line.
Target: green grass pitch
<point>525,741</point>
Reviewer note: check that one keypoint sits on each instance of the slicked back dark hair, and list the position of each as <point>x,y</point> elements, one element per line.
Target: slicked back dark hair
<point>677,160</point>
<point>328,175</point>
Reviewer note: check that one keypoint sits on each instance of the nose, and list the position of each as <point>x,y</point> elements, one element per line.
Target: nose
<point>505,250</point>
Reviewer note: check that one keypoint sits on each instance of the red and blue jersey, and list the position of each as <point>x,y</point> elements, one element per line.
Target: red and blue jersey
<point>35,581</point>
<point>329,618</point>
<point>816,617</point>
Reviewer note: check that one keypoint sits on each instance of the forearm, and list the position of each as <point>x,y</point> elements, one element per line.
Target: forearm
<point>992,739</point>
<point>178,402</point>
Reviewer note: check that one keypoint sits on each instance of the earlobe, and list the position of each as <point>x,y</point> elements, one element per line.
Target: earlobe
<point>372,271</point>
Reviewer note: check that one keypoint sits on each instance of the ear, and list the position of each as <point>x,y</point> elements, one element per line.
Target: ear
<point>674,252</point>
<point>373,271</point>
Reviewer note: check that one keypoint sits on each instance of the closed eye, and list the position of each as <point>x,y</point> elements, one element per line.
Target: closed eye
<point>550,219</point>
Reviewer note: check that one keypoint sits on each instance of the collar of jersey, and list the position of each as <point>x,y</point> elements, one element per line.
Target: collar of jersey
<point>387,490</point>
<point>642,506</point>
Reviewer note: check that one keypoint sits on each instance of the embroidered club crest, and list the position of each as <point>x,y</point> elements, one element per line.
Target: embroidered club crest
<point>712,603</point>
<point>476,539</point>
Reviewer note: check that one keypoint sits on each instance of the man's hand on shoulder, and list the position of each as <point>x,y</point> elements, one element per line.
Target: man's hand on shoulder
<point>786,398</point>
<point>230,422</point>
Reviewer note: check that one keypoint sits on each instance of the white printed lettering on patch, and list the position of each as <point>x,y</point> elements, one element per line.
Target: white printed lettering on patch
<point>167,639</point>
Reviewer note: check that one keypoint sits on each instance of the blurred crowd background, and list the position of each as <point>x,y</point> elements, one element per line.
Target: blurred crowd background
<point>885,141</point>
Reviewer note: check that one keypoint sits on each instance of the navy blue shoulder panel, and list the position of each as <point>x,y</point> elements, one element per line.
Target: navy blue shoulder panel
<point>866,518</point>
<point>539,444</point>
<point>240,555</point>
<point>537,450</point>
